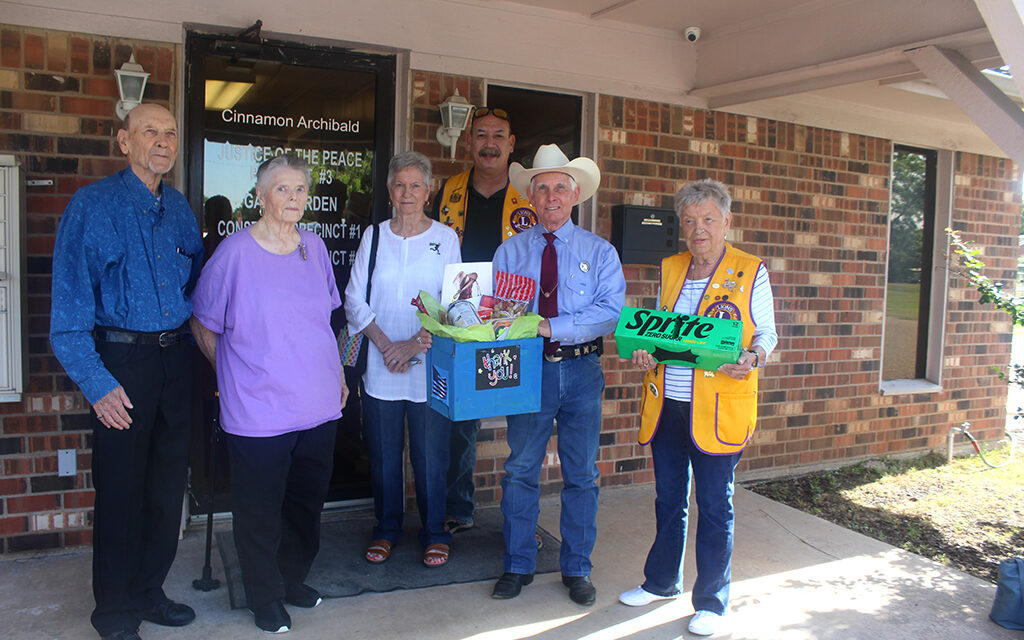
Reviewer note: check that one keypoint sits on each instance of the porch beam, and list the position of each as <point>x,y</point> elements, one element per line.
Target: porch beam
<point>786,83</point>
<point>610,8</point>
<point>996,114</point>
<point>1005,21</point>
<point>875,65</point>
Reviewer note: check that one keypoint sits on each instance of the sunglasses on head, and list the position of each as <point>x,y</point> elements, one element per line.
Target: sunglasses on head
<point>480,112</point>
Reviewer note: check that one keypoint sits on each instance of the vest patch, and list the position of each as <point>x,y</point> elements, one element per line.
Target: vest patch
<point>723,309</point>
<point>522,219</point>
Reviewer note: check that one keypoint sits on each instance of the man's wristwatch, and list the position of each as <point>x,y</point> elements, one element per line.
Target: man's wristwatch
<point>757,358</point>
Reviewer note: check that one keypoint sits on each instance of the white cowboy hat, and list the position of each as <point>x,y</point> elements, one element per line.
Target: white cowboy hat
<point>550,159</point>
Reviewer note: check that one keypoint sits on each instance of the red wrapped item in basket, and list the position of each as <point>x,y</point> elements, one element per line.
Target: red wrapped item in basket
<point>486,307</point>
<point>513,294</point>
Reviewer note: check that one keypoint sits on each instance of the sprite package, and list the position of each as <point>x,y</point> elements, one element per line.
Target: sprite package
<point>679,339</point>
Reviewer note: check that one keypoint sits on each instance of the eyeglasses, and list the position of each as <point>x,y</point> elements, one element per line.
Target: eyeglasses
<point>497,113</point>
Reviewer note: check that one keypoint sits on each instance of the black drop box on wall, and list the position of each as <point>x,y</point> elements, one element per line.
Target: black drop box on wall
<point>644,235</point>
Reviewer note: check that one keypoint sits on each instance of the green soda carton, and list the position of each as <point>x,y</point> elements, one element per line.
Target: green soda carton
<point>700,342</point>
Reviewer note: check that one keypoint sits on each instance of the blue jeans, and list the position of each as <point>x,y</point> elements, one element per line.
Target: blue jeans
<point>571,393</point>
<point>462,464</point>
<point>676,460</point>
<point>384,422</point>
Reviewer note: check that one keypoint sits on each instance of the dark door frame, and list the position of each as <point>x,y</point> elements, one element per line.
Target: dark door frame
<point>201,43</point>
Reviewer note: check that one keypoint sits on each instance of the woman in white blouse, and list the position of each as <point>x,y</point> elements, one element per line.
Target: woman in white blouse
<point>411,256</point>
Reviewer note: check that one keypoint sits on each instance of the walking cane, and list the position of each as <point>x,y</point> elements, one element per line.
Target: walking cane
<point>208,582</point>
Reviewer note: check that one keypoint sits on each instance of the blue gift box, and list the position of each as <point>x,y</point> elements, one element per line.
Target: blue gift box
<point>468,380</point>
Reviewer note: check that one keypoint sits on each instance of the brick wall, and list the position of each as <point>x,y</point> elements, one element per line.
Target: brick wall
<point>811,202</point>
<point>814,203</point>
<point>57,97</point>
<point>986,210</point>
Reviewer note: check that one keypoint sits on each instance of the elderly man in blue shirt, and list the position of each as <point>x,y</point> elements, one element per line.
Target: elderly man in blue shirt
<point>581,291</point>
<point>127,256</point>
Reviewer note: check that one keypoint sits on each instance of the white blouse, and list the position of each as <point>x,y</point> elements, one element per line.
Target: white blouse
<point>404,267</point>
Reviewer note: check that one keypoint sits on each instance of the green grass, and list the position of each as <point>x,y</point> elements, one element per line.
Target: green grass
<point>903,300</point>
<point>962,514</point>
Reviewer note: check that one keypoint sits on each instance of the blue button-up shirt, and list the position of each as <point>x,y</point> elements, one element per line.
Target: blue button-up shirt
<point>591,287</point>
<point>123,258</point>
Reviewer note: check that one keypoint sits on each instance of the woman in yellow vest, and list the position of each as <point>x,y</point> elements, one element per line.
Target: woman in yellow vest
<point>698,422</point>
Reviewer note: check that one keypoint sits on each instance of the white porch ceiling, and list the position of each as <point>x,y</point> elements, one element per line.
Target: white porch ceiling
<point>822,62</point>
<point>839,64</point>
<point>756,49</point>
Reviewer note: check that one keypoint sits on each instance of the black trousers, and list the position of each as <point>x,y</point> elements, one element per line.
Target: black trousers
<point>278,487</point>
<point>139,478</point>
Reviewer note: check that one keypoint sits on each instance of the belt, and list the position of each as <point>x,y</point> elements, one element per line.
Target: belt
<point>570,351</point>
<point>159,338</point>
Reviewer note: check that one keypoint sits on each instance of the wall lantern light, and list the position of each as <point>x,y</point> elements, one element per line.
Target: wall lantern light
<point>131,83</point>
<point>455,113</point>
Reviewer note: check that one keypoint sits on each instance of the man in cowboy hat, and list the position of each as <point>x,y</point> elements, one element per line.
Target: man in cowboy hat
<point>484,209</point>
<point>580,294</point>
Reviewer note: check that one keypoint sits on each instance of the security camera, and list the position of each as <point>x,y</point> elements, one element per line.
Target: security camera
<point>692,34</point>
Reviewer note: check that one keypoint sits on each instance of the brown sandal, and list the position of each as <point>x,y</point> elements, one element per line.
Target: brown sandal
<point>378,551</point>
<point>436,555</point>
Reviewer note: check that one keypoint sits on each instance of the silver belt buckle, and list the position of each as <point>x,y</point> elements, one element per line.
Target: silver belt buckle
<point>166,339</point>
<point>550,357</point>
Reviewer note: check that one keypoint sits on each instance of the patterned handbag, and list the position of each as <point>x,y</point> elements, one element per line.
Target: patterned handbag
<point>349,347</point>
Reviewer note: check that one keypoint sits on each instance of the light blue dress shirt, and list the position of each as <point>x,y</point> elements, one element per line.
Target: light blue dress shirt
<point>591,287</point>
<point>123,258</point>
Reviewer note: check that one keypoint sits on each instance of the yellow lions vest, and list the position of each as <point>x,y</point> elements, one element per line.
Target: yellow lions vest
<point>517,216</point>
<point>723,411</point>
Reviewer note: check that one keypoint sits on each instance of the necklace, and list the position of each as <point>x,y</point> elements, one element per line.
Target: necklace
<point>699,272</point>
<point>547,294</point>
<point>274,243</point>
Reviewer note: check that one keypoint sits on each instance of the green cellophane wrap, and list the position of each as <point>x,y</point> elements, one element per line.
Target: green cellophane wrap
<point>524,326</point>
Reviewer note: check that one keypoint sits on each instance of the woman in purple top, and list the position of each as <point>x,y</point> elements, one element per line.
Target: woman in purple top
<point>262,316</point>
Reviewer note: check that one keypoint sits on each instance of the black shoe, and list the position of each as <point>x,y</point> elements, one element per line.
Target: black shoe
<point>302,595</point>
<point>123,635</point>
<point>581,589</point>
<point>510,584</point>
<point>458,526</point>
<point>170,614</point>
<point>272,618</point>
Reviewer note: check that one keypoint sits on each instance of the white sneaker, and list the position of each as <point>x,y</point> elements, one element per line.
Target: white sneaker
<point>640,597</point>
<point>705,623</point>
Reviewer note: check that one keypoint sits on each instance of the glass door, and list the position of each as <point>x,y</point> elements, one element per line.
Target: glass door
<point>246,103</point>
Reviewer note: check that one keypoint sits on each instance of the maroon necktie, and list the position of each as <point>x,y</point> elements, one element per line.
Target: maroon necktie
<point>548,303</point>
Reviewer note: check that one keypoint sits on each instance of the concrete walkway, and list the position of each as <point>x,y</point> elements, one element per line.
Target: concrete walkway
<point>794,577</point>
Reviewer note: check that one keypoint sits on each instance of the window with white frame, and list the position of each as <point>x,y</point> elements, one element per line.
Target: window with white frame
<point>915,290</point>
<point>11,339</point>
